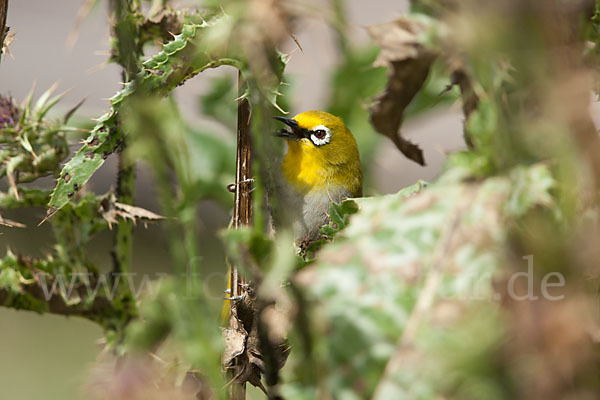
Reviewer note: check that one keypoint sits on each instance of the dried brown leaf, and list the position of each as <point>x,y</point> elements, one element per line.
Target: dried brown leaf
<point>235,344</point>
<point>112,210</point>
<point>408,62</point>
<point>133,213</point>
<point>8,39</point>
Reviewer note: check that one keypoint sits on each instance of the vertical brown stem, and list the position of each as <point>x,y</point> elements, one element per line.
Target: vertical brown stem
<point>242,210</point>
<point>3,30</point>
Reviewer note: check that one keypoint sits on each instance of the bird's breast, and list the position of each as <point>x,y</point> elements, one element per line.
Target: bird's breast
<point>307,171</point>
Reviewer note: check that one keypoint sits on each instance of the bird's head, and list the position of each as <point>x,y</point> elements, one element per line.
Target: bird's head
<point>320,135</point>
<point>322,153</point>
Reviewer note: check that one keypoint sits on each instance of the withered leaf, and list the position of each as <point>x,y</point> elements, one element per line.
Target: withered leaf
<point>132,212</point>
<point>8,39</point>
<point>112,210</point>
<point>247,354</point>
<point>235,344</point>
<point>408,62</point>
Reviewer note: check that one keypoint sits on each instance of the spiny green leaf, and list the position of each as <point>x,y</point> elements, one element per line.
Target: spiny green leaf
<point>179,60</point>
<point>363,288</point>
<point>43,110</point>
<point>27,105</point>
<point>41,102</point>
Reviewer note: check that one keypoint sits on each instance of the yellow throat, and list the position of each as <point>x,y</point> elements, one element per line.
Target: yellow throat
<point>323,156</point>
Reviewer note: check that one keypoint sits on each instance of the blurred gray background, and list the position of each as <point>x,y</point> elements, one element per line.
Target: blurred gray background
<point>47,356</point>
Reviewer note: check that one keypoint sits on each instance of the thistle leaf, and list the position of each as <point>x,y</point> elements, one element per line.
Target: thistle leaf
<point>178,61</point>
<point>43,99</point>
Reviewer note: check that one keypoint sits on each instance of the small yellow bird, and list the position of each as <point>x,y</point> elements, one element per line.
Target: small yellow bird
<point>322,164</point>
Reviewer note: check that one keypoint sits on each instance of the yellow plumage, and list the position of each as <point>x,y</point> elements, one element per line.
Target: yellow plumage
<point>322,164</point>
<point>307,167</point>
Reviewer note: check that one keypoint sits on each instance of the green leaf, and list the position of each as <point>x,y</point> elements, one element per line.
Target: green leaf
<point>364,286</point>
<point>45,107</point>
<point>178,61</point>
<point>41,102</point>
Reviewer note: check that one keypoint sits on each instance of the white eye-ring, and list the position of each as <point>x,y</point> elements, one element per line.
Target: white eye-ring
<point>320,135</point>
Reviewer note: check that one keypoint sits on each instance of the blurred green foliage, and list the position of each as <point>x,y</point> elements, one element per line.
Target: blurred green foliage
<point>405,295</point>
<point>353,84</point>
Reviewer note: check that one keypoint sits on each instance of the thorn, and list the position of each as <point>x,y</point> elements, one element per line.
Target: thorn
<point>49,214</point>
<point>289,55</point>
<point>97,68</point>
<point>35,156</point>
<point>231,186</point>
<point>447,89</point>
<point>53,87</point>
<point>295,39</point>
<point>242,97</point>
<point>10,223</point>
<point>157,358</point>
<point>82,13</point>
<point>70,113</point>
<point>13,184</point>
<point>274,104</point>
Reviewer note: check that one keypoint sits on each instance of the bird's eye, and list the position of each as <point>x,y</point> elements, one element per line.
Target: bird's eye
<point>320,133</point>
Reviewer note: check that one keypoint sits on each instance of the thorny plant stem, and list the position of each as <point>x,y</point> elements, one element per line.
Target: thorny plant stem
<point>3,15</point>
<point>242,210</point>
<point>123,237</point>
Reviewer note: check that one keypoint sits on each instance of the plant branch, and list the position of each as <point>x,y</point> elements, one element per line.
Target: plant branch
<point>242,215</point>
<point>179,61</point>
<point>26,284</point>
<point>3,27</point>
<point>127,55</point>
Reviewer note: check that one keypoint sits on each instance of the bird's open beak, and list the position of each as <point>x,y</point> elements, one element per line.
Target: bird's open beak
<point>295,133</point>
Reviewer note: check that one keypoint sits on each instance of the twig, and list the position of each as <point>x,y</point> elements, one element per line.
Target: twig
<point>3,30</point>
<point>40,293</point>
<point>242,212</point>
<point>123,238</point>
